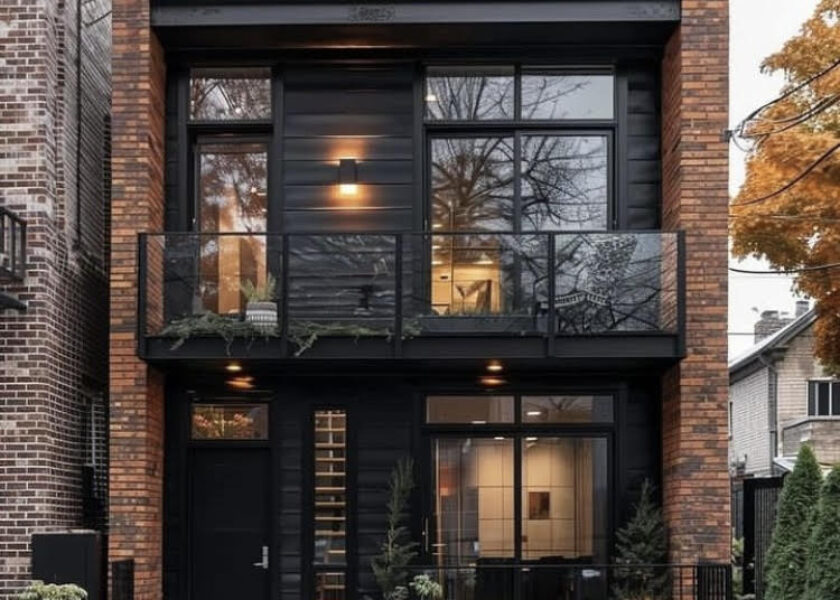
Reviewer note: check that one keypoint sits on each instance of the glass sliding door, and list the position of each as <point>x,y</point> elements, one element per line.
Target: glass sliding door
<point>520,499</point>
<point>564,499</point>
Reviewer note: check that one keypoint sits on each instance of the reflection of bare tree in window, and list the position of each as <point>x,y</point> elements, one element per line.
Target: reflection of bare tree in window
<point>469,94</point>
<point>229,94</point>
<point>564,183</point>
<point>552,96</point>
<point>472,183</point>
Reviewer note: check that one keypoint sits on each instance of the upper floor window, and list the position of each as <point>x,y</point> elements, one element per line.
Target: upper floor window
<point>510,93</point>
<point>230,94</point>
<point>519,148</point>
<point>823,398</point>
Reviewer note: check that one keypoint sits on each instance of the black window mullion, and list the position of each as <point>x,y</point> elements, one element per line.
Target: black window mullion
<point>517,181</point>
<point>835,398</point>
<point>517,92</point>
<point>812,398</point>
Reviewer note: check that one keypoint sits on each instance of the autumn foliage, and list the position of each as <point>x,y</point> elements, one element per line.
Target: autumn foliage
<point>788,210</point>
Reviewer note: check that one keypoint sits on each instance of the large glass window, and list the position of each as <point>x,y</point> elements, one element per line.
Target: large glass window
<point>232,198</point>
<point>475,410</point>
<point>469,93</point>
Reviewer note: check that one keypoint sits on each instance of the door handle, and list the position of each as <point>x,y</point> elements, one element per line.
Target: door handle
<point>263,564</point>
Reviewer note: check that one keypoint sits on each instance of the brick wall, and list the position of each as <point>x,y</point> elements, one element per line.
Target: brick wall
<point>53,355</point>
<point>136,447</point>
<point>695,198</point>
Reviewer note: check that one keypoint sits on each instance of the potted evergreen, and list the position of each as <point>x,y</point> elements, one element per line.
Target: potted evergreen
<point>39,590</point>
<point>640,543</point>
<point>261,307</point>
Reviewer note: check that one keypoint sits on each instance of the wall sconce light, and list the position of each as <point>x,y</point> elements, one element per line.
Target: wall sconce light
<point>347,177</point>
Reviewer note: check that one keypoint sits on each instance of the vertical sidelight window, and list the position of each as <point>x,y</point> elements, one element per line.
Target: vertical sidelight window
<point>232,199</point>
<point>330,504</point>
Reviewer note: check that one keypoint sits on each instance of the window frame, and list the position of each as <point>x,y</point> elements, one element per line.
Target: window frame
<point>833,399</point>
<point>517,127</point>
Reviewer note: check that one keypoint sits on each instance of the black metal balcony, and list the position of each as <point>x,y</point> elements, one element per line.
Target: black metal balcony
<point>422,296</point>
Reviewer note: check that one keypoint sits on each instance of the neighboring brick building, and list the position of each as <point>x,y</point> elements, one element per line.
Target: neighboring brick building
<point>535,399</point>
<point>55,176</point>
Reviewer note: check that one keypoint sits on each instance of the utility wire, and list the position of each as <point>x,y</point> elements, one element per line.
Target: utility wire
<point>793,182</point>
<point>778,217</point>
<point>740,127</point>
<point>788,271</point>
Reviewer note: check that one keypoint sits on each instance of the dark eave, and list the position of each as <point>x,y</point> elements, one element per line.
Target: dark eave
<point>169,13</point>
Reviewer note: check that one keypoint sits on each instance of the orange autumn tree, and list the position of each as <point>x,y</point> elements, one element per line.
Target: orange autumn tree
<point>788,210</point>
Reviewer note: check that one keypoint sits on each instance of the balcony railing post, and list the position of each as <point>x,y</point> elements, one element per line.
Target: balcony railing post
<point>284,296</point>
<point>398,295</point>
<point>142,284</point>
<point>551,317</point>
<point>681,294</point>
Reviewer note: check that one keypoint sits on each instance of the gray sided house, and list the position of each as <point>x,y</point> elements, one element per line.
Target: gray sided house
<point>779,398</point>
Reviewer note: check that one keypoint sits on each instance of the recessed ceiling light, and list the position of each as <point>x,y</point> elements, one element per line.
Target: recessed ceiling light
<point>530,439</point>
<point>479,422</point>
<point>499,438</point>
<point>431,98</point>
<point>233,367</point>
<point>494,366</point>
<point>534,413</point>
<point>492,381</point>
<point>241,383</point>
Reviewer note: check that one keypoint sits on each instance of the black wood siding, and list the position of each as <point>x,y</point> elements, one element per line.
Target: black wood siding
<point>345,111</point>
<point>644,168</point>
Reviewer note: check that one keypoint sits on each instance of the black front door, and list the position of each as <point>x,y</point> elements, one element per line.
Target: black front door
<point>229,537</point>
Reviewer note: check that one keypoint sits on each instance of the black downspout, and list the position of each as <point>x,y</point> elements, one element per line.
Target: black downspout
<point>772,409</point>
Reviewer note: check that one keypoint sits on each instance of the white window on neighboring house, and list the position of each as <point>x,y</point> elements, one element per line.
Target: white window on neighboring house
<point>823,398</point>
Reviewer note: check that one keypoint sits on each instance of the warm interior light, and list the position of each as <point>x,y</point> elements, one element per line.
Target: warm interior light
<point>484,259</point>
<point>437,262</point>
<point>348,189</point>
<point>431,98</point>
<point>233,367</point>
<point>241,383</point>
<point>437,225</point>
<point>492,381</point>
<point>479,422</point>
<point>534,413</point>
<point>494,366</point>
<point>530,439</point>
<point>499,438</point>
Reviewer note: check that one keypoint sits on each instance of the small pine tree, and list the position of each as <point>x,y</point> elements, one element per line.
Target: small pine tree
<point>642,541</point>
<point>787,556</point>
<point>397,550</point>
<point>823,570</point>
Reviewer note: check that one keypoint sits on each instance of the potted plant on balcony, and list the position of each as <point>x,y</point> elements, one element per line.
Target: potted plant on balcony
<point>261,308</point>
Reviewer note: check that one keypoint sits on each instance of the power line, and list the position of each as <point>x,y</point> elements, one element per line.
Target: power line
<point>792,183</point>
<point>788,271</point>
<point>778,217</point>
<point>740,127</point>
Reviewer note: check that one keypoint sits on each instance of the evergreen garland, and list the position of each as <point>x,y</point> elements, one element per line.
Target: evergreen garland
<point>823,571</point>
<point>787,556</point>
<point>642,541</point>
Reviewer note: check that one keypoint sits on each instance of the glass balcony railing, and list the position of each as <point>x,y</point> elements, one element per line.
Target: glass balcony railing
<point>300,287</point>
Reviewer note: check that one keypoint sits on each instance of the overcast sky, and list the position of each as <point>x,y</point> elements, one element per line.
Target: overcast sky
<point>758,28</point>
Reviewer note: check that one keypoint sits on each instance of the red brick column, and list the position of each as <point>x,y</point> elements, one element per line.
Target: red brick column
<point>136,446</point>
<point>695,199</point>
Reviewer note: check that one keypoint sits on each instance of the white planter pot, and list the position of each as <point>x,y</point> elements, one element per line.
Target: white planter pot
<point>262,315</point>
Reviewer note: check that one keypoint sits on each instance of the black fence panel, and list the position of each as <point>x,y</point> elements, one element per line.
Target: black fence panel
<point>760,497</point>
<point>122,580</point>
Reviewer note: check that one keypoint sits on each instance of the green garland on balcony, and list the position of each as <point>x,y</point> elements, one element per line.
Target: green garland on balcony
<point>304,334</point>
<point>209,324</point>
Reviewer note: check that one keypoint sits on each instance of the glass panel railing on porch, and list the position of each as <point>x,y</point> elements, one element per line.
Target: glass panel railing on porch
<point>303,287</point>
